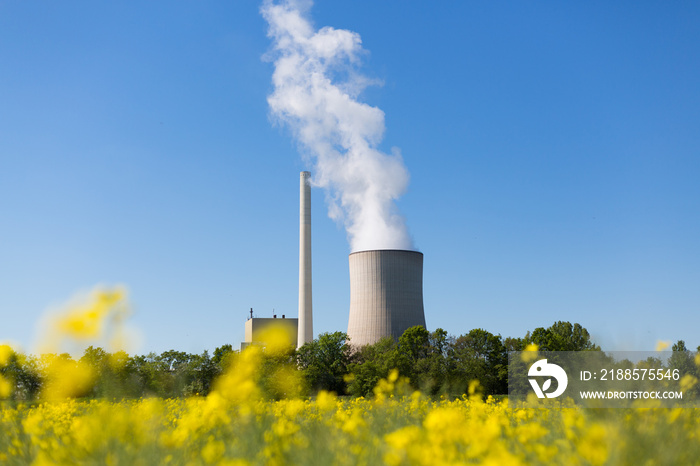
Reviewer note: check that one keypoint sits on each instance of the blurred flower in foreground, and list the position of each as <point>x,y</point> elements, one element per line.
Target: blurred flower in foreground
<point>88,320</point>
<point>5,384</point>
<point>529,353</point>
<point>276,338</point>
<point>5,387</point>
<point>65,378</point>
<point>5,353</point>
<point>662,345</point>
<point>93,318</point>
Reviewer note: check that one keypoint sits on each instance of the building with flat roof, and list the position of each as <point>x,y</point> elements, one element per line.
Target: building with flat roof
<point>257,330</point>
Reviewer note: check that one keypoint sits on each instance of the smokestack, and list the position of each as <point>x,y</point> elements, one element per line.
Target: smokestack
<point>386,294</point>
<point>306,328</point>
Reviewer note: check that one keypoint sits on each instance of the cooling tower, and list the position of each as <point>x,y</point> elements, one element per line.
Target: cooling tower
<point>306,330</point>
<point>386,294</point>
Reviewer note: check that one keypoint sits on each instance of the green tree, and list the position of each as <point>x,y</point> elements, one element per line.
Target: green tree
<point>562,336</point>
<point>222,356</point>
<point>437,363</point>
<point>197,376</point>
<point>684,361</point>
<point>97,360</point>
<point>23,372</point>
<point>371,363</point>
<point>480,355</point>
<point>279,374</point>
<point>324,362</point>
<point>151,375</point>
<point>514,344</point>
<point>413,350</point>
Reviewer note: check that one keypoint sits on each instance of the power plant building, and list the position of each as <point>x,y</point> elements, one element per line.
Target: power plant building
<point>258,328</point>
<point>302,327</point>
<point>386,294</point>
<point>386,291</point>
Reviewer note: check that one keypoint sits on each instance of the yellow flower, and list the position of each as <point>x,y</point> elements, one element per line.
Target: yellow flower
<point>277,338</point>
<point>529,353</point>
<point>594,445</point>
<point>530,432</point>
<point>66,378</point>
<point>5,387</point>
<point>662,345</point>
<point>213,450</point>
<point>87,320</point>
<point>474,390</point>
<point>96,318</point>
<point>325,401</point>
<point>393,376</point>
<point>239,383</point>
<point>400,441</point>
<point>5,353</point>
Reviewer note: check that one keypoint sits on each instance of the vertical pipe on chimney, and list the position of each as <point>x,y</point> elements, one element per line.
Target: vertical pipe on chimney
<point>305,330</point>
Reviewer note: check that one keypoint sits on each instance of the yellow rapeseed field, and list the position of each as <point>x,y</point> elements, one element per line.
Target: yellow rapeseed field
<point>234,425</point>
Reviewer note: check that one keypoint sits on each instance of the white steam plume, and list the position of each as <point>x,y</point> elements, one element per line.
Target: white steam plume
<point>316,86</point>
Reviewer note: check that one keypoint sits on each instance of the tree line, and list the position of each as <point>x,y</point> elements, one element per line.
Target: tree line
<point>434,362</point>
<point>118,375</point>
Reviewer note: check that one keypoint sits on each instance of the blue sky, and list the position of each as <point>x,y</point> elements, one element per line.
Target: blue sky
<point>553,149</point>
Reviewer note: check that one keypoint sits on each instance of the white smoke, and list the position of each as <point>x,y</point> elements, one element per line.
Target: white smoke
<point>316,86</point>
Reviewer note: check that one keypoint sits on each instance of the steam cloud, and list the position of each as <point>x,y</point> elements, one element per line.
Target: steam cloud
<point>316,86</point>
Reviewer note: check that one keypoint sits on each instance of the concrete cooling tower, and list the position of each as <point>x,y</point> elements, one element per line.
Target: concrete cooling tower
<point>386,294</point>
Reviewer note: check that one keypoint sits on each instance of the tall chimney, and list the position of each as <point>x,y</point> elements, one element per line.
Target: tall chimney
<point>306,326</point>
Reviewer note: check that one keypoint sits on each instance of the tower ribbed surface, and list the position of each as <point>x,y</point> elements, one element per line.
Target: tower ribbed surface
<point>386,294</point>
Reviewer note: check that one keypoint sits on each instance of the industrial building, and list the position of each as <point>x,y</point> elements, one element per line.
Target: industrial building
<point>258,328</point>
<point>386,294</point>
<point>302,327</point>
<point>386,290</point>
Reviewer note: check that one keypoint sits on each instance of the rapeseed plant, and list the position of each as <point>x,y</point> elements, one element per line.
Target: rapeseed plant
<point>239,427</point>
<point>239,424</point>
